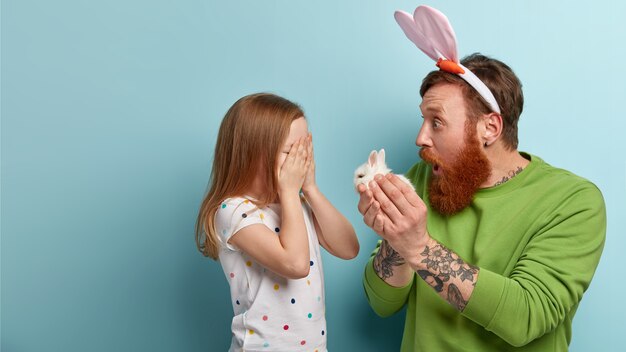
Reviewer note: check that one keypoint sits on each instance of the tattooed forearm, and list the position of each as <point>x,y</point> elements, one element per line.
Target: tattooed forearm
<point>456,298</point>
<point>431,279</point>
<point>448,274</point>
<point>385,260</point>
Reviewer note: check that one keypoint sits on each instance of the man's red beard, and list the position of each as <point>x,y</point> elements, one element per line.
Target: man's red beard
<point>453,190</point>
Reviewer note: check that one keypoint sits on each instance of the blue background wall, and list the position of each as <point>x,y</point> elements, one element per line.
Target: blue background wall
<point>110,112</point>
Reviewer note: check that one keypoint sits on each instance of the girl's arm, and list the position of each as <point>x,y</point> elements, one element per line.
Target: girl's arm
<point>287,254</point>
<point>334,231</point>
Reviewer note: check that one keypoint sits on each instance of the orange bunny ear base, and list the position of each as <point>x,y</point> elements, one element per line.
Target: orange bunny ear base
<point>449,66</point>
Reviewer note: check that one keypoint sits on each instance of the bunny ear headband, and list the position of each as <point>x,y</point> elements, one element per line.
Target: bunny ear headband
<point>432,33</point>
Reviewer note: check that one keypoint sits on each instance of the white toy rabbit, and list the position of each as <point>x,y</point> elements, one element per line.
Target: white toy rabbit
<point>375,165</point>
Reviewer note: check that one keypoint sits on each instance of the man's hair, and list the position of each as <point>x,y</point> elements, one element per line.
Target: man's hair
<point>500,79</point>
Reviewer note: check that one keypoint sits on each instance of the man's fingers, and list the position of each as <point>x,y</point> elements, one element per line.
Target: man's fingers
<point>395,191</point>
<point>386,204</point>
<point>365,200</point>
<point>379,222</point>
<point>409,193</point>
<point>370,214</point>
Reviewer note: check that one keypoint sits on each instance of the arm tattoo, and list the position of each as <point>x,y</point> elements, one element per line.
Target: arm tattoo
<point>443,265</point>
<point>512,174</point>
<point>431,279</point>
<point>385,260</point>
<point>455,298</point>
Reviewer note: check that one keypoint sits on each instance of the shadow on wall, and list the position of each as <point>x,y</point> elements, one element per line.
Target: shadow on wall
<point>212,300</point>
<point>380,334</point>
<point>375,333</point>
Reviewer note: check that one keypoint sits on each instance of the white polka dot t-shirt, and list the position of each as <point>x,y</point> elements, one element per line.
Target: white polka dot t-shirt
<point>272,313</point>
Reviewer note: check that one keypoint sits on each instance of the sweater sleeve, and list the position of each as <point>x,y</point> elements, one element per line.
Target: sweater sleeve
<point>384,299</point>
<point>550,276</point>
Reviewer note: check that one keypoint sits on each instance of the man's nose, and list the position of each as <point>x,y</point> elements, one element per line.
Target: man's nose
<point>423,138</point>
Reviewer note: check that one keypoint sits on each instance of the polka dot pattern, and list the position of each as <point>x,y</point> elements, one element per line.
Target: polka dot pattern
<point>292,305</point>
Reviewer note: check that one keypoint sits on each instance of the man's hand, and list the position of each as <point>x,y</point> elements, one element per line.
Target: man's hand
<point>398,215</point>
<point>368,207</point>
<point>394,211</point>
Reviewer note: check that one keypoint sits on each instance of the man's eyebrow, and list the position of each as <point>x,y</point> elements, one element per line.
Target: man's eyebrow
<point>433,108</point>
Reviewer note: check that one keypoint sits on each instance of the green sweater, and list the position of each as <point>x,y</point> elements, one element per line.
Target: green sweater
<point>537,240</point>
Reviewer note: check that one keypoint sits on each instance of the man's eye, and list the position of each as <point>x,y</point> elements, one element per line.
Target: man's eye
<point>436,123</point>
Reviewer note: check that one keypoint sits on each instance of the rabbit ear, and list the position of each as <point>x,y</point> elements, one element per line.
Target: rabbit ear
<point>373,158</point>
<point>431,32</point>
<point>409,28</point>
<point>381,157</point>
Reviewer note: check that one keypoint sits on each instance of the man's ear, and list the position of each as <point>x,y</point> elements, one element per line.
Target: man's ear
<point>491,128</point>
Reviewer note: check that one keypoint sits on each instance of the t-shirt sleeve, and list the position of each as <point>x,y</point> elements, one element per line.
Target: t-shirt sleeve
<point>233,215</point>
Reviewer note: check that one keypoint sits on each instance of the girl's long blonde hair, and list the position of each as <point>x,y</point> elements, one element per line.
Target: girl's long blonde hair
<point>248,143</point>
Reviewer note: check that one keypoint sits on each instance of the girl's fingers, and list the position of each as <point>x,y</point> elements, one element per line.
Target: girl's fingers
<point>291,157</point>
<point>302,153</point>
<point>309,159</point>
<point>310,145</point>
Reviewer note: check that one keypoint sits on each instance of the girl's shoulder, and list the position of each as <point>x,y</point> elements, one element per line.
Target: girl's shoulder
<point>236,207</point>
<point>233,214</point>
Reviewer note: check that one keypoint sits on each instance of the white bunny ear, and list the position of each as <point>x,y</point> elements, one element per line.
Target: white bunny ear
<point>381,157</point>
<point>431,32</point>
<point>373,158</point>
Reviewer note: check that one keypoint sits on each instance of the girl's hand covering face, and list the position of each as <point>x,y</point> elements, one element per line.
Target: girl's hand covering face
<point>309,180</point>
<point>293,171</point>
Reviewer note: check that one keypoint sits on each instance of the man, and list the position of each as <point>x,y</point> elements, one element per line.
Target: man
<point>495,248</point>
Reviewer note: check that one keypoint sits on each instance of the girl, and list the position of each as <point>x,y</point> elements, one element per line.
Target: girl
<point>265,234</point>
